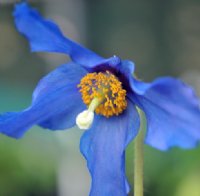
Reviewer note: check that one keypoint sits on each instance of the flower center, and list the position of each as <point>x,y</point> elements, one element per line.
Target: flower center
<point>107,90</point>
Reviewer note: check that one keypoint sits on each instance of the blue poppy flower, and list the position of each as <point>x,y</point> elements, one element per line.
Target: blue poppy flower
<point>101,95</point>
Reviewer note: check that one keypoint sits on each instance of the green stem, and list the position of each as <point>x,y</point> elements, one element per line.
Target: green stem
<point>138,163</point>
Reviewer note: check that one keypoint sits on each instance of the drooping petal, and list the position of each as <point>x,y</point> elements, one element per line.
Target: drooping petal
<point>44,35</point>
<point>103,146</point>
<point>127,68</point>
<point>172,112</point>
<point>56,102</point>
<point>125,71</point>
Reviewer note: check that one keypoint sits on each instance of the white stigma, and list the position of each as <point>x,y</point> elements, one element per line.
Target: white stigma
<point>85,119</point>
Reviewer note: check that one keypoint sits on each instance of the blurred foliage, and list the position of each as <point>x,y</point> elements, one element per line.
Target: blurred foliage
<point>28,165</point>
<point>167,173</point>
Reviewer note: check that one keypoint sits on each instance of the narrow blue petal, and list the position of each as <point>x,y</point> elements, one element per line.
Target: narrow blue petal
<point>44,35</point>
<point>104,148</point>
<point>112,63</point>
<point>127,68</point>
<point>56,102</point>
<point>172,112</point>
<point>126,73</point>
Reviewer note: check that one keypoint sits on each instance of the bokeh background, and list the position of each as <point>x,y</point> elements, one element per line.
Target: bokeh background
<point>161,37</point>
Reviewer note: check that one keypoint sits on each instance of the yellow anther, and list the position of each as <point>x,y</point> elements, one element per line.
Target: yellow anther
<point>107,88</point>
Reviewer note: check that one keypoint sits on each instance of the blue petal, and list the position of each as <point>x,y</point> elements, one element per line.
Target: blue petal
<point>56,102</point>
<point>104,148</point>
<point>127,68</point>
<point>172,112</point>
<point>44,35</point>
<point>112,63</point>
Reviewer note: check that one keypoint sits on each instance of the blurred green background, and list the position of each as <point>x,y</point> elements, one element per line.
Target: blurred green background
<point>161,37</point>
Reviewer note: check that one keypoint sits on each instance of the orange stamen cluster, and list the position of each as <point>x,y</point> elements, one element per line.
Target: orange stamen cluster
<point>108,89</point>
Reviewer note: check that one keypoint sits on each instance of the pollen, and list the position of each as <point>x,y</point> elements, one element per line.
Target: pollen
<point>107,88</point>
